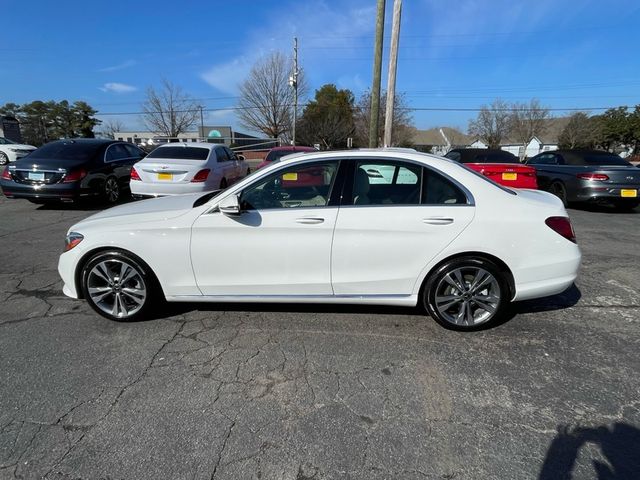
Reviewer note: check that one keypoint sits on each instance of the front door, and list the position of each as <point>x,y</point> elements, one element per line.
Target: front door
<point>281,242</point>
<point>398,217</point>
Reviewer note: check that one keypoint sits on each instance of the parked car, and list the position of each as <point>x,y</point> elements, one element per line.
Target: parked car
<point>276,153</point>
<point>72,169</point>
<point>588,176</point>
<point>11,151</point>
<point>444,238</point>
<point>500,166</point>
<point>177,168</point>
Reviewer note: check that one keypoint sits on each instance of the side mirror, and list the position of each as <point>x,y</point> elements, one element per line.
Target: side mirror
<point>241,157</point>
<point>230,205</point>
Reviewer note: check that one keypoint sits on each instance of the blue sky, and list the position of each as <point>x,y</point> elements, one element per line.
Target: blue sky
<point>454,54</point>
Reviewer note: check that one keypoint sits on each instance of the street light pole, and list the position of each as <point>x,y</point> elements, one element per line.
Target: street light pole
<point>393,64</point>
<point>293,81</point>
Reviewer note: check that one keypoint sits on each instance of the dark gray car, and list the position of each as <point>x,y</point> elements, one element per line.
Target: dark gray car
<point>588,176</point>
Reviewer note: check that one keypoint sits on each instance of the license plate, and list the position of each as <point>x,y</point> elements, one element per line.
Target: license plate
<point>628,193</point>
<point>165,176</point>
<point>291,177</point>
<point>37,176</point>
<point>509,176</point>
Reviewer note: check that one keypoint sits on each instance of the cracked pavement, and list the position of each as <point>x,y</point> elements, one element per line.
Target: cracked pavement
<point>317,392</point>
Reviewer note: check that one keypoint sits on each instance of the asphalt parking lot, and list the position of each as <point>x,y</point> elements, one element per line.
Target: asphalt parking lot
<point>311,392</point>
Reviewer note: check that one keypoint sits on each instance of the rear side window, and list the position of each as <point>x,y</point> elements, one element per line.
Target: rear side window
<point>67,151</point>
<point>606,160</point>
<point>117,152</point>
<point>221,155</point>
<point>180,153</point>
<point>386,183</point>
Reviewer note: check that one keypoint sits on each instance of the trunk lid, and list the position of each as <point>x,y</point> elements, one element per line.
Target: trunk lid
<point>167,170</point>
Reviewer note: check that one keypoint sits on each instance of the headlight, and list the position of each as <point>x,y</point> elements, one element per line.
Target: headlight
<point>73,239</point>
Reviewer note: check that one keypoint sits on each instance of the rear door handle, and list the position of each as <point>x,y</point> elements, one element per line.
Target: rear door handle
<point>309,220</point>
<point>438,220</point>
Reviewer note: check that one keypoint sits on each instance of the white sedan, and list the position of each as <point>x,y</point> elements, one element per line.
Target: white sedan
<point>323,228</point>
<point>177,168</point>
<point>11,151</point>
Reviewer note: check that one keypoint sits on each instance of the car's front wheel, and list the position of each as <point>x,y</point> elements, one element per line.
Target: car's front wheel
<point>4,159</point>
<point>466,294</point>
<point>119,286</point>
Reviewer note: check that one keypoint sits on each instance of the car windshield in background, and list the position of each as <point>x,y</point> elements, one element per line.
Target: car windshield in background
<point>6,141</point>
<point>494,159</point>
<point>67,151</point>
<point>605,160</point>
<point>180,153</point>
<point>277,155</point>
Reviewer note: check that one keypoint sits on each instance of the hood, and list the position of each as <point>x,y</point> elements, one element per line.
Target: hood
<point>20,146</point>
<point>154,209</point>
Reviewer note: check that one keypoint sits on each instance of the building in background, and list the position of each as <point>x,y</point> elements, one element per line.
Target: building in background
<point>10,128</point>
<point>439,140</point>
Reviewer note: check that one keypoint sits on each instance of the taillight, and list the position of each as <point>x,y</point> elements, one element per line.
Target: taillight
<point>75,175</point>
<point>562,226</point>
<point>5,174</point>
<point>73,239</point>
<point>201,176</point>
<point>598,177</point>
<point>135,175</point>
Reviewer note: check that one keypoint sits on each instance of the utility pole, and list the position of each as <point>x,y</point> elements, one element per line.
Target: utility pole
<point>377,73</point>
<point>201,123</point>
<point>293,81</point>
<point>393,64</point>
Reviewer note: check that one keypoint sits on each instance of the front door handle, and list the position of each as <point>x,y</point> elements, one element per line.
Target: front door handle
<point>438,220</point>
<point>310,220</point>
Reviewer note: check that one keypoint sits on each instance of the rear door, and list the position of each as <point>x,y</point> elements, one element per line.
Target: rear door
<point>396,216</point>
<point>226,166</point>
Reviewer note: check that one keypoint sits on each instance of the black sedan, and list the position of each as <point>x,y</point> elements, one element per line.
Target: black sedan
<point>70,170</point>
<point>588,176</point>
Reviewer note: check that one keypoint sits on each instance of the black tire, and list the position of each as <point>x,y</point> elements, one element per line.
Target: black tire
<point>223,184</point>
<point>626,205</point>
<point>4,160</point>
<point>140,293</point>
<point>445,303</point>
<point>111,190</point>
<point>560,191</point>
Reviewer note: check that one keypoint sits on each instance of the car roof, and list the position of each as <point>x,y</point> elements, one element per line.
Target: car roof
<point>94,141</point>
<point>581,152</point>
<point>382,153</point>
<point>287,148</point>
<point>210,146</point>
<point>482,150</point>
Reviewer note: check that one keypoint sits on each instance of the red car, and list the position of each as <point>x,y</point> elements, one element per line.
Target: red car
<point>498,165</point>
<point>275,154</point>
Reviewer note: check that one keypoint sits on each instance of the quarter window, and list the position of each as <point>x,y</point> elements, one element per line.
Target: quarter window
<point>117,152</point>
<point>300,186</point>
<point>438,190</point>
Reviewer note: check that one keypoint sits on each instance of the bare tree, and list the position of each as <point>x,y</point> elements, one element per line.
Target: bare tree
<point>111,127</point>
<point>581,131</point>
<point>527,120</point>
<point>492,124</point>
<point>402,131</point>
<point>168,110</point>
<point>266,98</point>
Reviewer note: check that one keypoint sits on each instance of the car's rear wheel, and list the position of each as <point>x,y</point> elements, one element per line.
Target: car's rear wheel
<point>466,294</point>
<point>560,191</point>
<point>119,286</point>
<point>111,190</point>
<point>4,159</point>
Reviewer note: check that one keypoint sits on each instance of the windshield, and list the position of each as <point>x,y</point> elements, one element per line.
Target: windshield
<point>67,151</point>
<point>180,153</point>
<point>5,141</point>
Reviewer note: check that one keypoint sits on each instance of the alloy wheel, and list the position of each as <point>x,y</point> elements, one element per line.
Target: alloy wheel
<point>117,288</point>
<point>111,190</point>
<point>3,158</point>
<point>467,296</point>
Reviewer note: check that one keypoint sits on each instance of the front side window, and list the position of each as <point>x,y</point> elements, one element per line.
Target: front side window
<point>297,186</point>
<point>386,183</point>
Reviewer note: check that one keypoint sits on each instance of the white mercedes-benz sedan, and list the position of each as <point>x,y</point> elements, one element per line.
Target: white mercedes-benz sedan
<point>178,168</point>
<point>331,227</point>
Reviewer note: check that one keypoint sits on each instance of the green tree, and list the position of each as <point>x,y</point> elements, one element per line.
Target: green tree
<point>581,131</point>
<point>328,118</point>
<point>84,119</point>
<point>402,131</point>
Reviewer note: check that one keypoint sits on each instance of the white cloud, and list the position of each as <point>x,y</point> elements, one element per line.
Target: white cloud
<point>318,25</point>
<point>120,66</point>
<point>115,87</point>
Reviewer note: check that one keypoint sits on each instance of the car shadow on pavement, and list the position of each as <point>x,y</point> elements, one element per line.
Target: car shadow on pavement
<point>602,208</point>
<point>566,299</point>
<point>618,458</point>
